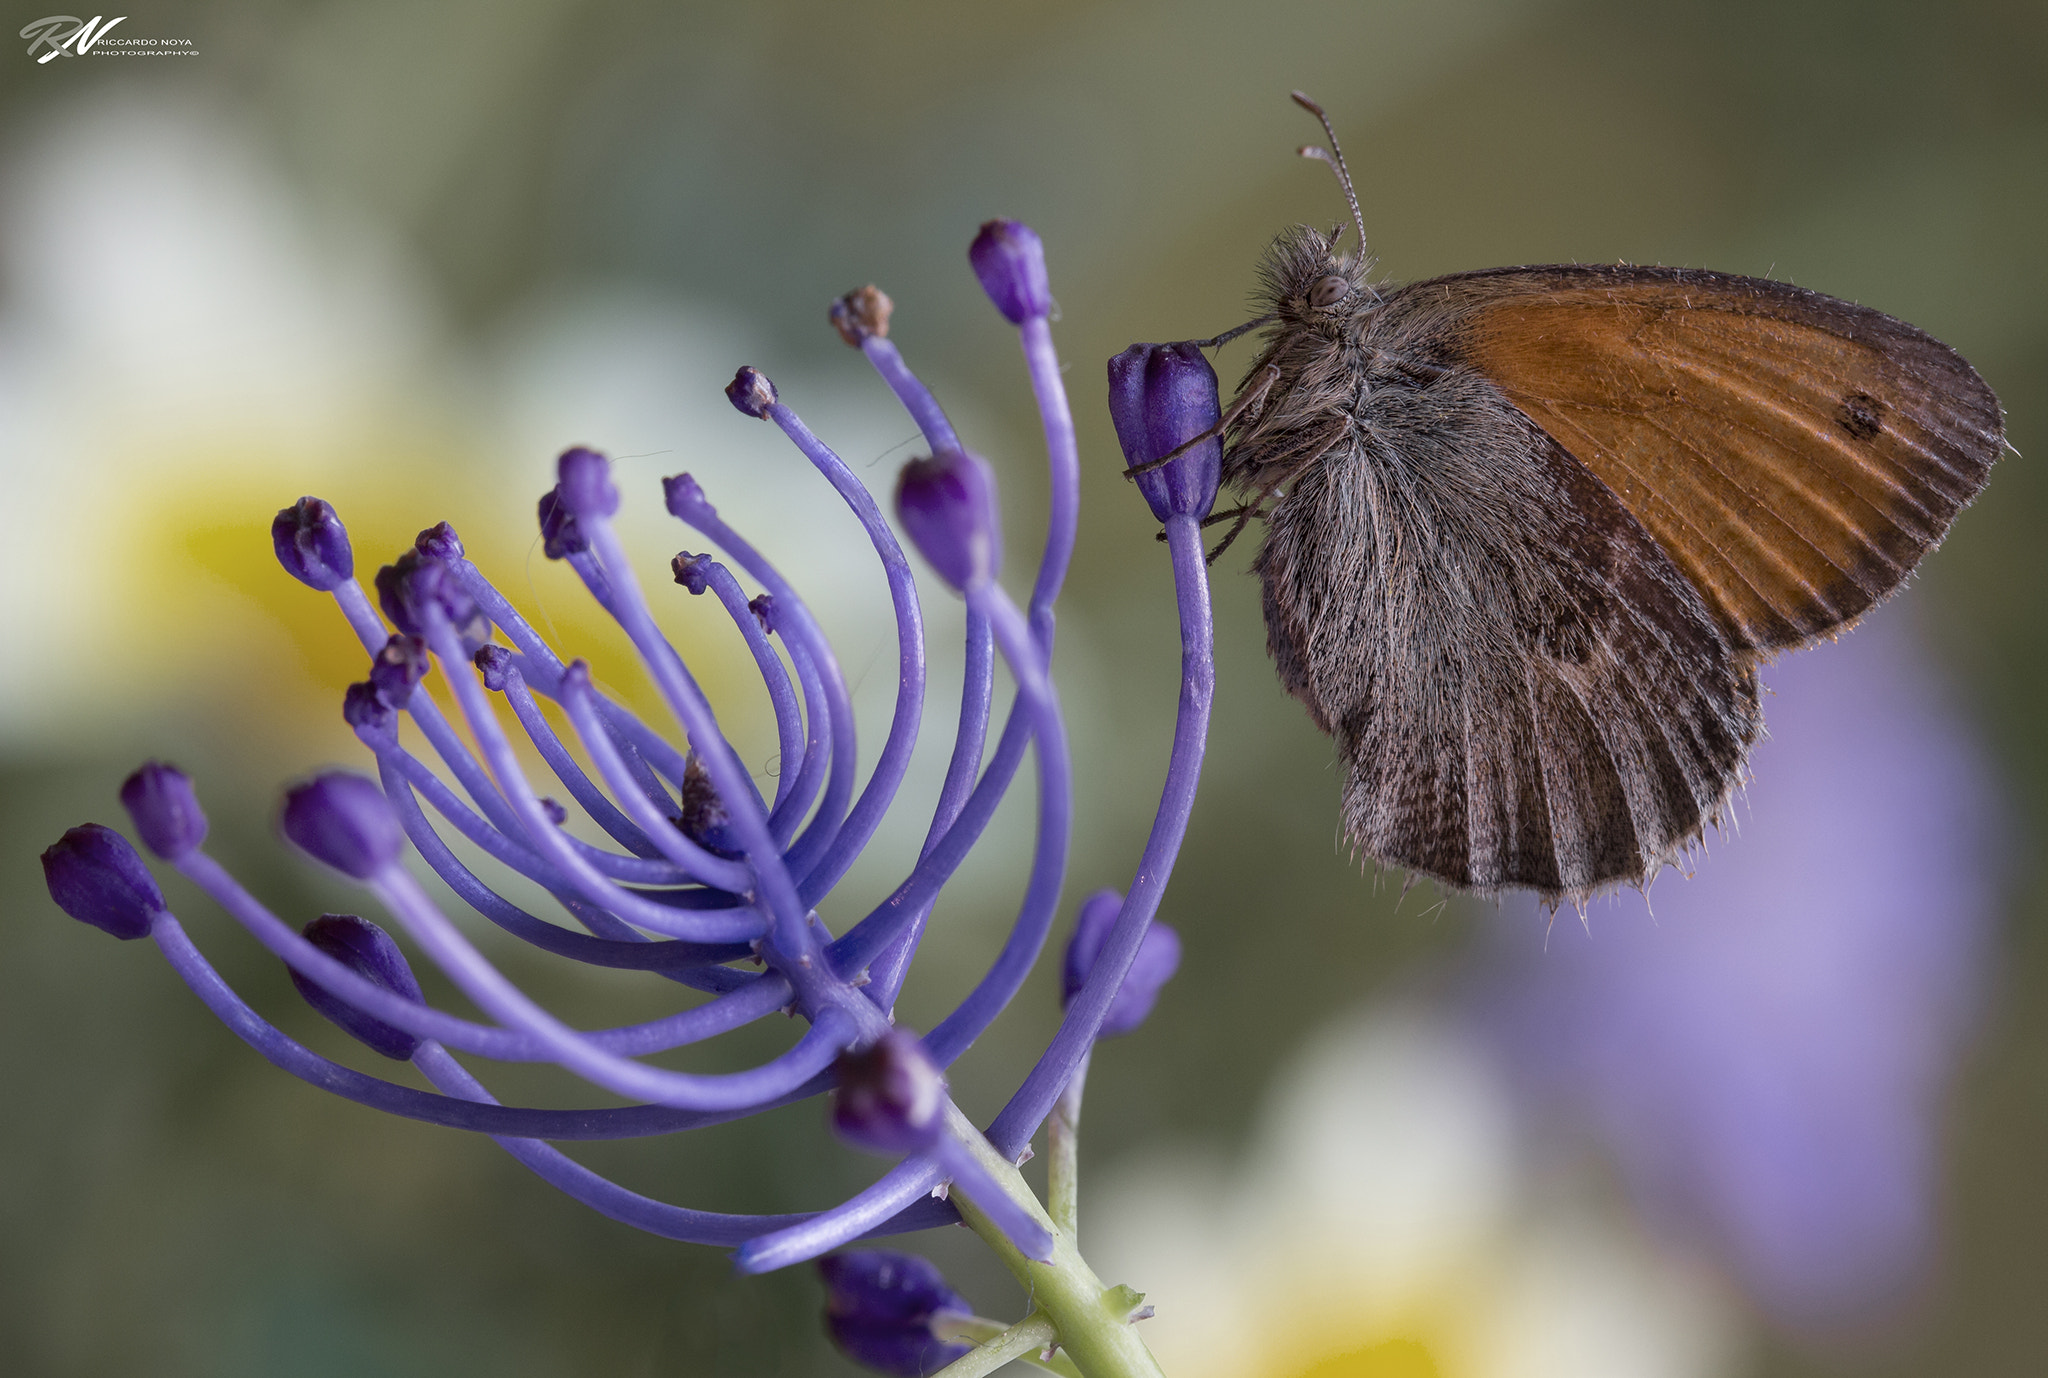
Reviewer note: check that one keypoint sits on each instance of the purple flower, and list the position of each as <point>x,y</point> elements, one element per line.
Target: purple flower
<point>722,888</point>
<point>889,1096</point>
<point>1767,1058</point>
<point>96,877</point>
<point>369,950</point>
<point>312,545</point>
<point>345,821</point>
<point>1160,398</point>
<point>1010,261</point>
<point>1158,959</point>
<point>947,505</point>
<point>750,393</point>
<point>165,811</point>
<point>396,669</point>
<point>880,1307</point>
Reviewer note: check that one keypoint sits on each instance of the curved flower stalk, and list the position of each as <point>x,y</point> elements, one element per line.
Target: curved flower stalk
<point>705,881</point>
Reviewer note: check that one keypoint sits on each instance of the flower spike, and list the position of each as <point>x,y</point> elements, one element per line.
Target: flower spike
<point>697,878</point>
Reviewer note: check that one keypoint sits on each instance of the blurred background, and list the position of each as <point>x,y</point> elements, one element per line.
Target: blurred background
<point>399,254</point>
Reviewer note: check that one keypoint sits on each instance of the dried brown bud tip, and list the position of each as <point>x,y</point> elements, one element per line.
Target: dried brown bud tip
<point>861,313</point>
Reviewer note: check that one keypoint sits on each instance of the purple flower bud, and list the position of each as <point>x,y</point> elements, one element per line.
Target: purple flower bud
<point>492,662</point>
<point>947,505</point>
<point>585,483</point>
<point>889,1096</point>
<point>879,1309</point>
<point>559,534</point>
<point>762,605</point>
<point>751,393</point>
<point>1160,397</point>
<point>685,498</point>
<point>693,572</point>
<point>345,821</point>
<point>368,951</point>
<point>397,669</point>
<point>705,820</point>
<point>1010,261</point>
<point>439,542</point>
<point>166,812</point>
<point>1158,958</point>
<point>368,711</point>
<point>407,589</point>
<point>96,877</point>
<point>862,314</point>
<point>312,545</point>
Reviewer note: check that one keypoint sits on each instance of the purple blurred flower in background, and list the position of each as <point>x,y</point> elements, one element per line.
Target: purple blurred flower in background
<point>1768,1057</point>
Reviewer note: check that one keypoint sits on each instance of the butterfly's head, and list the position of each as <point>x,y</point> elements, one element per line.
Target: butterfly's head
<point>1308,282</point>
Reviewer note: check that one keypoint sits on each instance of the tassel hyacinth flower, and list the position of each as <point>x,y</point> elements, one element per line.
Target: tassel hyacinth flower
<point>707,882</point>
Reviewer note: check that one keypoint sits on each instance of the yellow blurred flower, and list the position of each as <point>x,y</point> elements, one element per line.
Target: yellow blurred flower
<point>1381,1226</point>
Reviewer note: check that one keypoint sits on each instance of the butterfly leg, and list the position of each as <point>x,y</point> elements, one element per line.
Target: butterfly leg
<point>1216,519</point>
<point>1257,507</point>
<point>1217,341</point>
<point>1244,517</point>
<point>1243,514</point>
<point>1248,400</point>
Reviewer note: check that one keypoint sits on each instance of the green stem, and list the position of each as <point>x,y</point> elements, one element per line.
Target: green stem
<point>1093,1321</point>
<point>1063,1154</point>
<point>999,1345</point>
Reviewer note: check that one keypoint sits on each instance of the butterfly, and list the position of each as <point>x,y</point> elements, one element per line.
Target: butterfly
<point>1529,532</point>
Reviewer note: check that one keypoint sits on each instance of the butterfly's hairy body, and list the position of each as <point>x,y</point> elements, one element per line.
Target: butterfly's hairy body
<point>1529,686</point>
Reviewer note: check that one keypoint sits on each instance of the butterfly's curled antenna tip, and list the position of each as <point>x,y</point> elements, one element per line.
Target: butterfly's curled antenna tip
<point>1334,156</point>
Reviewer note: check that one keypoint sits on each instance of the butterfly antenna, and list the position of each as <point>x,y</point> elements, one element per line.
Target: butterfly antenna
<point>1334,156</point>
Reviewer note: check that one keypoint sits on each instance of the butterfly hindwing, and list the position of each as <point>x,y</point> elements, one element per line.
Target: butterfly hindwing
<point>1506,718</point>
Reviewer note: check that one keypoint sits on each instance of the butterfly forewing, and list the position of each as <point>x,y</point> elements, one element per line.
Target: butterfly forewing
<point>1796,455</point>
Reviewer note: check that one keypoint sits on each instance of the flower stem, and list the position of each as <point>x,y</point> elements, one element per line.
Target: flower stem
<point>1063,1155</point>
<point>1093,1321</point>
<point>1000,1344</point>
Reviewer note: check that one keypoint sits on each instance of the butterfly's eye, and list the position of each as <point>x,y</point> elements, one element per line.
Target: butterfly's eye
<point>1328,291</point>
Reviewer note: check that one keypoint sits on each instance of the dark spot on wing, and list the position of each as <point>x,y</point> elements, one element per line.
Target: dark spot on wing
<point>1861,415</point>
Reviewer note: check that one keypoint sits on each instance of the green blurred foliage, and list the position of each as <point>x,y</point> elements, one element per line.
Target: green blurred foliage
<point>176,1207</point>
